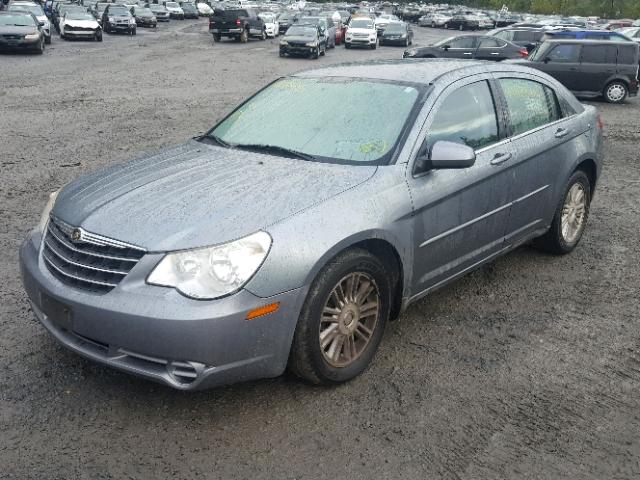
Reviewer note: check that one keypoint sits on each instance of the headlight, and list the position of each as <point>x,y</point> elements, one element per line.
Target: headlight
<point>44,218</point>
<point>212,272</point>
<point>410,53</point>
<point>312,44</point>
<point>132,20</point>
<point>32,36</point>
<point>111,19</point>
<point>284,43</point>
<point>404,35</point>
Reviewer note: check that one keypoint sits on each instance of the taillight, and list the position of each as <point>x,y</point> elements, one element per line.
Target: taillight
<point>238,22</point>
<point>524,53</point>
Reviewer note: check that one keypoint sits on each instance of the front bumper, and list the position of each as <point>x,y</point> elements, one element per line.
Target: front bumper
<point>123,27</point>
<point>393,41</point>
<point>158,334</point>
<point>19,43</point>
<point>298,50</point>
<point>143,22</point>
<point>360,41</point>
<point>81,33</point>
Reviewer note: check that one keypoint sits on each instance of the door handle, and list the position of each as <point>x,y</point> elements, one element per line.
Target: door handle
<point>562,132</point>
<point>467,53</point>
<point>495,53</point>
<point>501,158</point>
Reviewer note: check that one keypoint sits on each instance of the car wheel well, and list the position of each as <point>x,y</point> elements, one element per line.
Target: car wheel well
<point>390,257</point>
<point>588,166</point>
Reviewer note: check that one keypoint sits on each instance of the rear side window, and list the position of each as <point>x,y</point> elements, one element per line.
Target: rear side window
<point>467,116</point>
<point>505,35</point>
<point>569,53</point>
<point>627,54</point>
<point>530,104</point>
<point>491,43</point>
<point>599,54</point>
<point>524,36</point>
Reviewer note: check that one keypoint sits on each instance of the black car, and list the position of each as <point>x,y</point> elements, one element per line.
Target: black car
<point>303,40</point>
<point>464,22</point>
<point>144,17</point>
<point>160,11</point>
<point>240,24</point>
<point>60,9</point>
<point>526,37</point>
<point>590,68</point>
<point>117,18</point>
<point>285,20</point>
<point>477,47</point>
<point>189,9</point>
<point>397,33</point>
<point>21,31</point>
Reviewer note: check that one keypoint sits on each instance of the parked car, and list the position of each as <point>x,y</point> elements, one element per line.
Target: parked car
<point>361,32</point>
<point>463,22</point>
<point>204,10</point>
<point>144,17</point>
<point>326,25</point>
<point>60,8</point>
<point>240,24</point>
<point>74,25</point>
<point>160,12</point>
<point>174,9</point>
<point>304,40</point>
<point>434,19</point>
<point>615,25</point>
<point>322,235</point>
<point>21,31</point>
<point>97,10</point>
<point>37,11</point>
<point>285,20</point>
<point>189,10</point>
<point>118,18</point>
<point>590,68</point>
<point>477,47</point>
<point>383,20</point>
<point>397,33</point>
<point>271,26</point>
<point>528,38</point>
<point>631,32</point>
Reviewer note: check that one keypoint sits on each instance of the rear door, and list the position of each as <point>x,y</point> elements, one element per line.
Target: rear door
<point>491,48</point>
<point>597,66</point>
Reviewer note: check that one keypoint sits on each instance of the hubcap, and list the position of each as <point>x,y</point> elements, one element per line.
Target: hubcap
<point>349,318</point>
<point>574,213</point>
<point>616,93</point>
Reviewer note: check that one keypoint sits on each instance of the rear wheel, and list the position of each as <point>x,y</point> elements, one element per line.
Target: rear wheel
<point>263,36</point>
<point>343,319</point>
<point>374,46</point>
<point>570,218</point>
<point>47,40</point>
<point>316,53</point>
<point>40,49</point>
<point>217,37</point>
<point>244,36</point>
<point>433,24</point>
<point>616,92</point>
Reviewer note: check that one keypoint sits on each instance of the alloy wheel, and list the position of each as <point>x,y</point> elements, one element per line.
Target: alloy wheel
<point>574,213</point>
<point>349,319</point>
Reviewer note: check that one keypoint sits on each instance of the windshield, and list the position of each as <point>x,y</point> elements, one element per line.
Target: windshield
<point>539,53</point>
<point>17,20</point>
<point>394,27</point>
<point>35,9</point>
<point>118,11</point>
<point>79,16</point>
<point>326,118</point>
<point>141,11</point>
<point>172,4</point>
<point>156,8</point>
<point>361,24</point>
<point>302,31</point>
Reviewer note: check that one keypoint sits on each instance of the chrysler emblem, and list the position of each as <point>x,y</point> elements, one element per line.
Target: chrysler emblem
<point>76,235</point>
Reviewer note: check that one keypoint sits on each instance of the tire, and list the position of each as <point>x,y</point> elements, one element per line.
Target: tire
<point>320,364</point>
<point>40,49</point>
<point>217,37</point>
<point>461,28</point>
<point>316,54</point>
<point>347,45</point>
<point>263,36</point>
<point>374,46</point>
<point>433,24</point>
<point>47,40</point>
<point>133,32</point>
<point>558,241</point>
<point>616,92</point>
<point>446,26</point>
<point>99,37</point>
<point>244,36</point>
<point>406,43</point>
<point>324,51</point>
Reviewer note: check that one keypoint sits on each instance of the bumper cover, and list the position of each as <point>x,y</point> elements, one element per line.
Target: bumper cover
<point>156,333</point>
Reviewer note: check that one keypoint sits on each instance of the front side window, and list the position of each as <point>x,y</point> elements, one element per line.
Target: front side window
<point>564,54</point>
<point>375,116</point>
<point>467,116</point>
<point>530,104</point>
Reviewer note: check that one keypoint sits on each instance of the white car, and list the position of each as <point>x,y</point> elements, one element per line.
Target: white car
<point>204,10</point>
<point>361,32</point>
<point>175,10</point>
<point>37,11</point>
<point>76,24</point>
<point>434,20</point>
<point>383,20</point>
<point>271,25</point>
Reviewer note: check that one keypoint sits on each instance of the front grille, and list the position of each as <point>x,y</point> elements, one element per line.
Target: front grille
<point>70,28</point>
<point>12,37</point>
<point>93,263</point>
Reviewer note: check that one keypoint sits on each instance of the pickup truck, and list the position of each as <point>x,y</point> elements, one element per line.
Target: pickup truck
<point>239,23</point>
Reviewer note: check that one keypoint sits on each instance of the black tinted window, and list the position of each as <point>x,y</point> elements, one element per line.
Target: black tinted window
<point>467,116</point>
<point>491,43</point>
<point>530,104</point>
<point>627,54</point>
<point>599,54</point>
<point>568,53</point>
<point>524,36</point>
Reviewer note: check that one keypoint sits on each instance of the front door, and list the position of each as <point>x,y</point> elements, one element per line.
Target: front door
<point>562,62</point>
<point>461,47</point>
<point>460,215</point>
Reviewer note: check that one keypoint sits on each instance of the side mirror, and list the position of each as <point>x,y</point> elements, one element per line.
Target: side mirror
<point>445,155</point>
<point>546,60</point>
<point>41,24</point>
<point>446,47</point>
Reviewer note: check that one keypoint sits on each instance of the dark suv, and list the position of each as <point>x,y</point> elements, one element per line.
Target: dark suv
<point>239,23</point>
<point>590,68</point>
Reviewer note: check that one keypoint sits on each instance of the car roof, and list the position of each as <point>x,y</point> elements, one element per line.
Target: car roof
<point>420,71</point>
<point>580,41</point>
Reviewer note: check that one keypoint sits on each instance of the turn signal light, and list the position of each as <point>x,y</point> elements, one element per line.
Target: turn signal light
<point>524,53</point>
<point>262,311</point>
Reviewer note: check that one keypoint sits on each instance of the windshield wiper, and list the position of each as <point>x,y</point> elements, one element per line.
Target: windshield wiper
<point>218,140</point>
<point>275,149</point>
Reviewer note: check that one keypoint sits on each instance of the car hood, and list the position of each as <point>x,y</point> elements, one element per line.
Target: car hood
<point>11,30</point>
<point>82,23</point>
<point>361,30</point>
<point>195,195</point>
<point>298,38</point>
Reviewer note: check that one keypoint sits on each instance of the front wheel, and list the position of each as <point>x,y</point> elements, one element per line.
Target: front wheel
<point>374,46</point>
<point>244,36</point>
<point>99,37</point>
<point>47,40</point>
<point>570,218</point>
<point>263,36</point>
<point>342,320</point>
<point>616,92</point>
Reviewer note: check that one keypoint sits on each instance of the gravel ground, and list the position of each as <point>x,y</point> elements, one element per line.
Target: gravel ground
<point>527,368</point>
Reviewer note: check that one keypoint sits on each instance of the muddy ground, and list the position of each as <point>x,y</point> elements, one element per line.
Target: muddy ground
<point>528,368</point>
